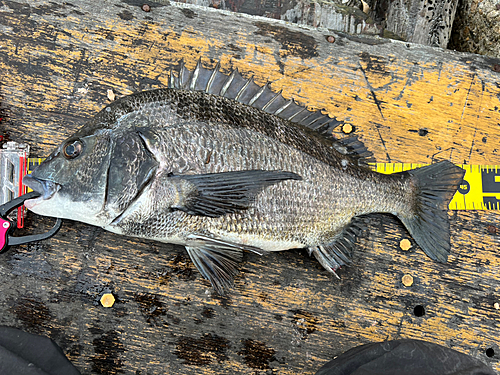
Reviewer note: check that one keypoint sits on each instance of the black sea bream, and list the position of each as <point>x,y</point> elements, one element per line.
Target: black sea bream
<point>220,165</point>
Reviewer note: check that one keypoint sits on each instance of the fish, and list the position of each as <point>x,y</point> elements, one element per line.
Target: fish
<point>222,165</point>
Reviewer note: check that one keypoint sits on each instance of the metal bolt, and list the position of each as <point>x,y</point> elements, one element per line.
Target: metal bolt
<point>107,300</point>
<point>330,39</point>
<point>492,229</point>
<point>405,244</point>
<point>146,8</point>
<point>407,280</point>
<point>347,128</point>
<point>496,68</point>
<point>6,224</point>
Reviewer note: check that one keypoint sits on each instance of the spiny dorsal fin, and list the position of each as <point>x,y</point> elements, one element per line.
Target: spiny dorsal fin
<point>244,90</point>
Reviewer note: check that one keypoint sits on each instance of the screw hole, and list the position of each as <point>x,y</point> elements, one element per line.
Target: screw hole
<point>419,310</point>
<point>490,352</point>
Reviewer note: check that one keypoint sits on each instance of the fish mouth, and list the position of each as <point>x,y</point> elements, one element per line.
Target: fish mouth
<point>46,188</point>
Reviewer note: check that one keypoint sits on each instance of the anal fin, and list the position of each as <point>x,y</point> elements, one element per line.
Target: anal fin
<point>338,253</point>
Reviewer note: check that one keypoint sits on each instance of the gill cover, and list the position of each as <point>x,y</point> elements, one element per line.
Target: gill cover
<point>131,167</point>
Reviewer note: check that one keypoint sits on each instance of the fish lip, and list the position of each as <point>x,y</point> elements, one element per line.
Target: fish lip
<point>46,188</point>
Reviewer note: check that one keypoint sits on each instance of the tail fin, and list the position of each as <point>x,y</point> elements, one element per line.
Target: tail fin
<point>428,223</point>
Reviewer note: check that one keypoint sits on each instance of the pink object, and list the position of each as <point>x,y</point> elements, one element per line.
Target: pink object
<point>4,229</point>
<point>22,190</point>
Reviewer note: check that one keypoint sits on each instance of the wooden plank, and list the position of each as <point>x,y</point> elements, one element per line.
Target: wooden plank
<point>335,15</point>
<point>419,21</point>
<point>285,315</point>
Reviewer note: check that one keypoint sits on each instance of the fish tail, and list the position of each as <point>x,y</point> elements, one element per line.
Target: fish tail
<point>427,220</point>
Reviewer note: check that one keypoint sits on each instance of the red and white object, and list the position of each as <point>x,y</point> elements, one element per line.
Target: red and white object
<point>13,165</point>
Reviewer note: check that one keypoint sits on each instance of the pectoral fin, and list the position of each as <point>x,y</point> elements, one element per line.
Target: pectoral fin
<point>217,259</point>
<point>217,194</point>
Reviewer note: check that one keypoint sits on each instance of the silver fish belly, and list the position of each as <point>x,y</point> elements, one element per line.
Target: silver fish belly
<point>221,166</point>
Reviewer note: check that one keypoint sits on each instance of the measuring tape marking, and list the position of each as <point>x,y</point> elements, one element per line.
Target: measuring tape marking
<point>479,190</point>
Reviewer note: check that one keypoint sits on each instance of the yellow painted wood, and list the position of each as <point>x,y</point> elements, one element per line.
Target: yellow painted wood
<point>286,314</point>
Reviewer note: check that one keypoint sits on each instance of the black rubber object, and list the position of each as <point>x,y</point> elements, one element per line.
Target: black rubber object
<point>404,357</point>
<point>28,354</point>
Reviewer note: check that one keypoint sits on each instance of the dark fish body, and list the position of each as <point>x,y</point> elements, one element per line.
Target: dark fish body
<point>221,165</point>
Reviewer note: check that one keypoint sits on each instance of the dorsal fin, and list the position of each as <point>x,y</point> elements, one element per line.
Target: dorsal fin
<point>356,149</point>
<point>244,90</point>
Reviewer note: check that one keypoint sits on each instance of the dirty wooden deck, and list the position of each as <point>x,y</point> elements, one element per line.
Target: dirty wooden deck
<point>286,315</point>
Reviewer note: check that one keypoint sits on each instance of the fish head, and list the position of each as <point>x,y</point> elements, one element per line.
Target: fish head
<point>72,179</point>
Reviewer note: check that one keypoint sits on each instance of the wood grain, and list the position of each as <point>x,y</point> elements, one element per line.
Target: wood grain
<point>285,315</point>
<point>420,21</point>
<point>335,15</point>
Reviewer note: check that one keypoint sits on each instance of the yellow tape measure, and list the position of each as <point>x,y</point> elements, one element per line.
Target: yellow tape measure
<point>33,163</point>
<point>480,189</point>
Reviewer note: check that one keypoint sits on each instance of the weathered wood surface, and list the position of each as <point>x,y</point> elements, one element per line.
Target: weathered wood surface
<point>427,22</point>
<point>286,314</point>
<point>338,15</point>
<point>477,27</point>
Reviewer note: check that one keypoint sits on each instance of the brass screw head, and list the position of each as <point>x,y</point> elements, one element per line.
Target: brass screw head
<point>107,300</point>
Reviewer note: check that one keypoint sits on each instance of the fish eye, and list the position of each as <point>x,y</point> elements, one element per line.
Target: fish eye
<point>72,149</point>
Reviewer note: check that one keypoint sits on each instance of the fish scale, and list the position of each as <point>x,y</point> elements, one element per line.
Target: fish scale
<point>229,158</point>
<point>220,165</point>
